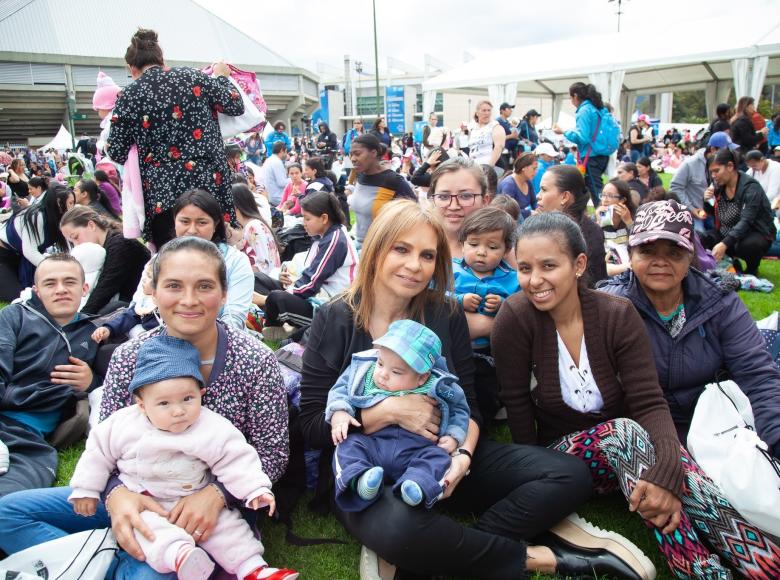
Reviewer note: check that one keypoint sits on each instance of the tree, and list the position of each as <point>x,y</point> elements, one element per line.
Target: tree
<point>689,107</point>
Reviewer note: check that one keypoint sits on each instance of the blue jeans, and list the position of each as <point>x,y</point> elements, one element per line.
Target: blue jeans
<point>34,516</point>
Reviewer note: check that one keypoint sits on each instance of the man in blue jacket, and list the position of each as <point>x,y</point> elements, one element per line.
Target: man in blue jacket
<point>45,357</point>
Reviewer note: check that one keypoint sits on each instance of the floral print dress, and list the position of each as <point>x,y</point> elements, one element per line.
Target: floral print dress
<point>260,246</point>
<point>171,115</point>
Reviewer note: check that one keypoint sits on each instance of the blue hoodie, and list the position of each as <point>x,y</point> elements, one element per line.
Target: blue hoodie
<point>719,340</point>
<point>587,121</point>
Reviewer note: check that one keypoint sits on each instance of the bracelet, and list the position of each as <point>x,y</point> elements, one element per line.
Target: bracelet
<point>110,493</point>
<point>466,452</point>
<point>219,492</point>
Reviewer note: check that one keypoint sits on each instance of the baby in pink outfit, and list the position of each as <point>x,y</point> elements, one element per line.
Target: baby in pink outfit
<point>168,447</point>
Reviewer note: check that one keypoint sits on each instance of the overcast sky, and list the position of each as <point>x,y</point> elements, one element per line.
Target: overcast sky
<point>308,31</point>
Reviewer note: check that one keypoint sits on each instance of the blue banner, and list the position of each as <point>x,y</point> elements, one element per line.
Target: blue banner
<point>394,109</point>
<point>321,114</point>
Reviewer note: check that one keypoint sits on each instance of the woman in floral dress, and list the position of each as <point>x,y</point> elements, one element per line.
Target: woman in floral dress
<point>171,115</point>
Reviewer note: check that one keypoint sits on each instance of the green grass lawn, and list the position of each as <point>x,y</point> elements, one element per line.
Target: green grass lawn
<point>341,561</point>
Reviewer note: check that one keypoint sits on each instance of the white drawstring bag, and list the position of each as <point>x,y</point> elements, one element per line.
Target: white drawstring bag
<point>723,441</point>
<point>83,556</point>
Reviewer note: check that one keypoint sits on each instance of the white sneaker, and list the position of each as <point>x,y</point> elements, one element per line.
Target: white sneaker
<point>372,567</point>
<point>581,533</point>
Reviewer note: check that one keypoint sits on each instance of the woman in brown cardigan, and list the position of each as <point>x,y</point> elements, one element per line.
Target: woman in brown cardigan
<point>576,372</point>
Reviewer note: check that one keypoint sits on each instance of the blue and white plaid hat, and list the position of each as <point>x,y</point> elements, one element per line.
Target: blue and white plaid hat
<point>164,357</point>
<point>417,345</point>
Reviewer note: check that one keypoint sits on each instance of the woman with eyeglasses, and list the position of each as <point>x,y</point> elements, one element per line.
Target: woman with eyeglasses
<point>375,186</point>
<point>615,216</point>
<point>744,227</point>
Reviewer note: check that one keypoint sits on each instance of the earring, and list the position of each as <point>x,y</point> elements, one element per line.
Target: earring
<point>578,274</point>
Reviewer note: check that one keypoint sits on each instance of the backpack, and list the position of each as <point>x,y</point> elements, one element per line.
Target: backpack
<point>609,130</point>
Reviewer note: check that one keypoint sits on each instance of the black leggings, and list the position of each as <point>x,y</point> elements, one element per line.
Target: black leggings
<point>751,248</point>
<point>10,288</point>
<point>280,305</point>
<point>518,491</point>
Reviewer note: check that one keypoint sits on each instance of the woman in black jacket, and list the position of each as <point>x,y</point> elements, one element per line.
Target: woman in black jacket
<point>743,133</point>
<point>125,258</point>
<point>744,226</point>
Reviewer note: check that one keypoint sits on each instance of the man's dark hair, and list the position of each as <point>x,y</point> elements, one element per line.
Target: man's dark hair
<point>61,257</point>
<point>278,147</point>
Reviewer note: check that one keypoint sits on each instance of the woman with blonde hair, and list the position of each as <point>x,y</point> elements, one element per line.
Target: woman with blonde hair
<point>486,136</point>
<point>518,491</point>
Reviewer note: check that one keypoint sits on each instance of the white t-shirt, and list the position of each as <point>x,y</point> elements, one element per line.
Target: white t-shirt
<point>481,142</point>
<point>769,179</point>
<point>578,387</point>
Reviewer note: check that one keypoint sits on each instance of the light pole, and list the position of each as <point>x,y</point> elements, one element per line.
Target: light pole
<point>359,71</point>
<point>376,60</point>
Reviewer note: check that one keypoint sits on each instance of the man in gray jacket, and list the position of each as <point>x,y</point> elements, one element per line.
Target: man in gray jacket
<point>692,178</point>
<point>45,355</point>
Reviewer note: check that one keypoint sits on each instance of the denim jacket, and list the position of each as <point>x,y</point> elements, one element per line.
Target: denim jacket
<point>347,394</point>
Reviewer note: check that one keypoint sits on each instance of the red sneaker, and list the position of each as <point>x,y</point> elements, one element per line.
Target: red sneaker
<point>266,573</point>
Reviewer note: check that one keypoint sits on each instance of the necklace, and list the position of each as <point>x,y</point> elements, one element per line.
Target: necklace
<point>668,317</point>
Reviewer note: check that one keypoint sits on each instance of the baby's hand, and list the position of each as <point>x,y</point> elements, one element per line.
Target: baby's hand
<point>492,303</point>
<point>339,426</point>
<point>448,443</point>
<point>471,302</point>
<point>101,334</point>
<point>267,499</point>
<point>85,506</point>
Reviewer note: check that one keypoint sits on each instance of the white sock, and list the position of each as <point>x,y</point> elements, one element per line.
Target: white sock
<point>172,553</point>
<point>250,565</point>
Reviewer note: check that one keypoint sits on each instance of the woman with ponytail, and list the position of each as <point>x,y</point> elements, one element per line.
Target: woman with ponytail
<point>23,240</point>
<point>125,258</point>
<point>590,141</point>
<point>328,268</point>
<point>563,189</point>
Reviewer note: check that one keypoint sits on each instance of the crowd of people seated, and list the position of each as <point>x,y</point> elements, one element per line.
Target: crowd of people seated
<point>432,290</point>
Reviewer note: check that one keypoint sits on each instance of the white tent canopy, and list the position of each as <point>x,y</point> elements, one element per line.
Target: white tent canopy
<point>621,67</point>
<point>62,141</point>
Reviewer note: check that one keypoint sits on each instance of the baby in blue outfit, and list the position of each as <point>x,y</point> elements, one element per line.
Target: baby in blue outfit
<point>407,360</point>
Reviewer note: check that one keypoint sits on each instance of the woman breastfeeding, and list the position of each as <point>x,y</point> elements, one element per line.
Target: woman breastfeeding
<point>576,371</point>
<point>243,384</point>
<point>517,491</point>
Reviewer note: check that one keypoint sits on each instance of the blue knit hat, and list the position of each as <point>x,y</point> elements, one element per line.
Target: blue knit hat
<point>417,345</point>
<point>164,357</point>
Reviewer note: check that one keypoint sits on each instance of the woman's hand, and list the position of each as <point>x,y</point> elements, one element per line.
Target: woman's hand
<point>220,69</point>
<point>433,158</point>
<point>624,213</point>
<point>459,468</point>
<point>197,514</point>
<point>718,251</point>
<point>416,413</point>
<point>657,505</point>
<point>125,508</point>
<point>285,279</point>
<point>709,193</point>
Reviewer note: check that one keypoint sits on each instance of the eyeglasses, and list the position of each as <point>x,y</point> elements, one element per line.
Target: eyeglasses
<point>612,197</point>
<point>465,199</point>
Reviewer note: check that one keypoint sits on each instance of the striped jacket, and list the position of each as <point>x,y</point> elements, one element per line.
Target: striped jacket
<point>331,265</point>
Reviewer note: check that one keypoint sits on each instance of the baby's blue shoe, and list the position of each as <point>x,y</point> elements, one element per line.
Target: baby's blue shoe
<point>369,484</point>
<point>411,493</point>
